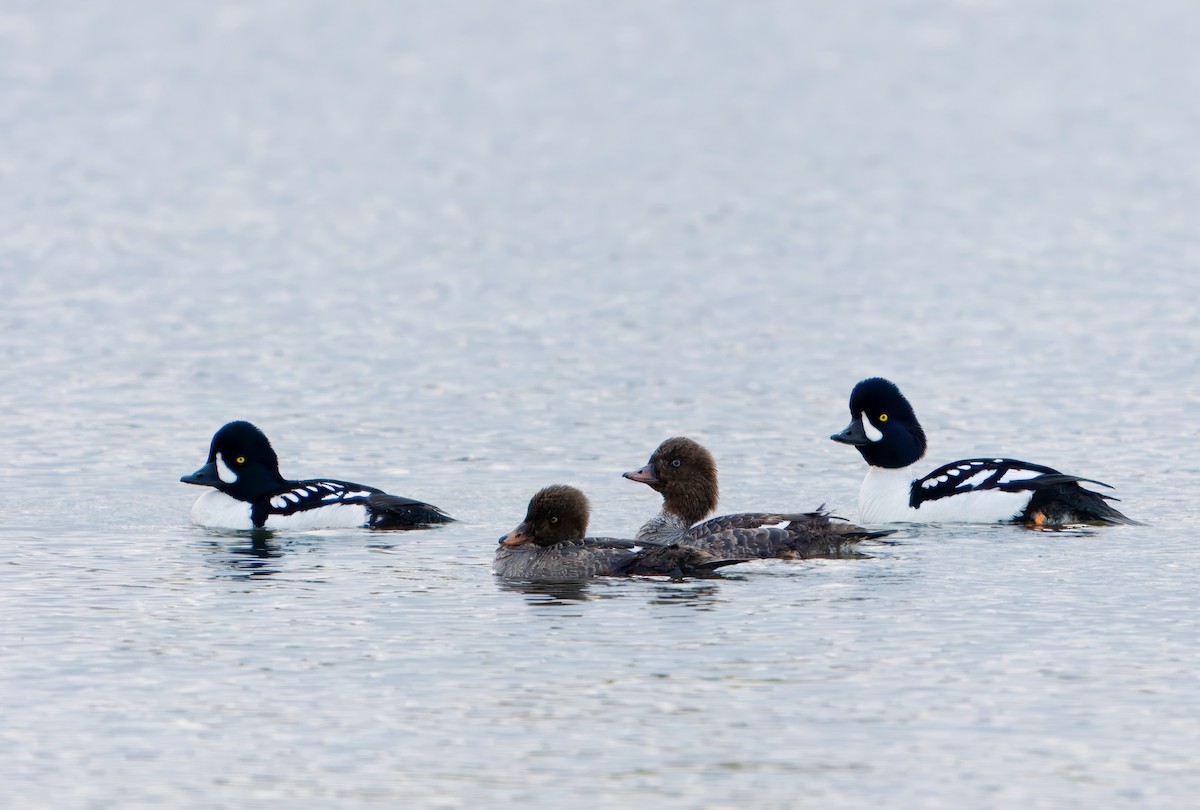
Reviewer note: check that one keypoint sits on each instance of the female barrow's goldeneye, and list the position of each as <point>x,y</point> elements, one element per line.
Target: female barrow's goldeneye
<point>686,475</point>
<point>885,430</point>
<point>550,546</point>
<point>249,493</point>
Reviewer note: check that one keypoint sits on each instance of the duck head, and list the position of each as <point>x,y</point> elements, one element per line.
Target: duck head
<point>686,475</point>
<point>241,463</point>
<point>883,425</point>
<point>555,514</point>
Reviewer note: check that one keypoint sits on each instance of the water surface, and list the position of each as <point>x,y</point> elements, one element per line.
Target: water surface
<point>461,253</point>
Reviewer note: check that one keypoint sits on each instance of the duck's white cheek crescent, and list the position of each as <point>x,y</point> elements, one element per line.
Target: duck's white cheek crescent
<point>873,433</point>
<point>224,473</point>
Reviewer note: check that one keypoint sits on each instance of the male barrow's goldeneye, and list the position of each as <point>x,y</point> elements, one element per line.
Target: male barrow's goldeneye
<point>550,546</point>
<point>885,430</point>
<point>249,493</point>
<point>686,475</point>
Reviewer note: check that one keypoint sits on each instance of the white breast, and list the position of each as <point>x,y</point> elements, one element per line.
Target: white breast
<point>216,510</point>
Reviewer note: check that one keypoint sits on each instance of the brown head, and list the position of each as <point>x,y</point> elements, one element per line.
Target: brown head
<point>555,514</point>
<point>686,475</point>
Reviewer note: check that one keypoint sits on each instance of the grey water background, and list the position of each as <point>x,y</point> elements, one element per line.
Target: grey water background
<point>461,251</point>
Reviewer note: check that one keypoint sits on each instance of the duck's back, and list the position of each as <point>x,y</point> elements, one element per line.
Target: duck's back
<point>765,535</point>
<point>604,557</point>
<point>568,560</point>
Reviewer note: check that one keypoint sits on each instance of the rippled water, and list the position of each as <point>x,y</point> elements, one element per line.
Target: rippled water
<point>464,251</point>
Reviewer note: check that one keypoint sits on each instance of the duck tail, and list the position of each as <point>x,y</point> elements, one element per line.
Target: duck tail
<point>1059,500</point>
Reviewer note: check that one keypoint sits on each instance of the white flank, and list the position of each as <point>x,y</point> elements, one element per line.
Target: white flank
<point>873,433</point>
<point>216,510</point>
<point>885,494</point>
<point>332,516</point>
<point>224,473</point>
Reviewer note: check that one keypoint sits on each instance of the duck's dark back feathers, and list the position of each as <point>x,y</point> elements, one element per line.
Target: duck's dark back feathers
<point>792,536</point>
<point>397,512</point>
<point>1058,500</point>
<point>676,561</point>
<point>573,560</point>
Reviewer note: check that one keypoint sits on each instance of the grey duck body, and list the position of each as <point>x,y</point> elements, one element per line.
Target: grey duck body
<point>760,535</point>
<point>602,557</point>
<point>550,546</point>
<point>685,473</point>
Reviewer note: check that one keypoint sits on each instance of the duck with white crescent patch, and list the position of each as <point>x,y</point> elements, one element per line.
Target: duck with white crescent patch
<point>884,429</point>
<point>248,492</point>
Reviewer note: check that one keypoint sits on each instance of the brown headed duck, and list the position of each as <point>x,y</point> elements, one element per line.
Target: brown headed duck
<point>686,475</point>
<point>550,546</point>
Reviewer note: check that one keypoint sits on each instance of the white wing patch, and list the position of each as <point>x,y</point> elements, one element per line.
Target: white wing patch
<point>1017,474</point>
<point>977,477</point>
<point>316,496</point>
<point>295,496</point>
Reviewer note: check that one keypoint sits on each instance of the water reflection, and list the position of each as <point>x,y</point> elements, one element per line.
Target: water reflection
<point>253,555</point>
<point>548,594</point>
<point>688,593</point>
<point>699,595</point>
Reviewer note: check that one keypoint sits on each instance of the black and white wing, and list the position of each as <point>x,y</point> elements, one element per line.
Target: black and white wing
<point>380,510</point>
<point>983,474</point>
<point>305,495</point>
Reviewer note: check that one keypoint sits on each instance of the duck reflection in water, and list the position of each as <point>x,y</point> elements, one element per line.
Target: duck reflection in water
<point>699,595</point>
<point>549,594</point>
<point>702,596</point>
<point>252,556</point>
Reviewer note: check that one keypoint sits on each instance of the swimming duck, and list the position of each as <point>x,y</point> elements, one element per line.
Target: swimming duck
<point>550,545</point>
<point>248,492</point>
<point>884,429</point>
<point>686,474</point>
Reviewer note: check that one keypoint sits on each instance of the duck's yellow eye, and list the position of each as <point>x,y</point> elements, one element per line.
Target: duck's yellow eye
<point>241,459</point>
<point>883,417</point>
<point>554,520</point>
